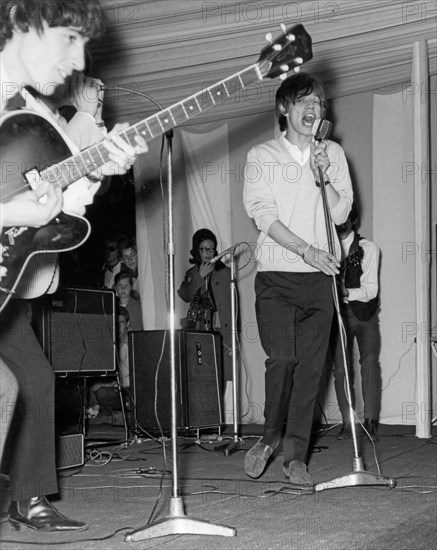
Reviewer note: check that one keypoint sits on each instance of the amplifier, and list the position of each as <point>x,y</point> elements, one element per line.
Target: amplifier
<point>70,451</point>
<point>77,330</point>
<point>198,376</point>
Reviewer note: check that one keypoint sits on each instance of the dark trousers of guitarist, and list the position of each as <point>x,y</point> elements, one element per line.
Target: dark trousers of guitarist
<point>31,445</point>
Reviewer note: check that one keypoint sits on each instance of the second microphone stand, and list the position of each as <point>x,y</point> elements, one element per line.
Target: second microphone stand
<point>236,444</point>
<point>358,476</point>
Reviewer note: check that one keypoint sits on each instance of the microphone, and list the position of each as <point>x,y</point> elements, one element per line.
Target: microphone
<point>321,129</point>
<point>220,256</point>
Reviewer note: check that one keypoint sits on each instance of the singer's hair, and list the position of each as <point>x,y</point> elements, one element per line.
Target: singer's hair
<point>84,15</point>
<point>294,87</point>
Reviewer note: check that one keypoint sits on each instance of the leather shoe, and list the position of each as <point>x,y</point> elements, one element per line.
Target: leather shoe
<point>371,427</point>
<point>298,475</point>
<point>345,431</point>
<point>40,515</point>
<point>257,457</point>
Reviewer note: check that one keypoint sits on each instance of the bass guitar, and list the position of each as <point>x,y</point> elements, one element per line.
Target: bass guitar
<point>31,145</point>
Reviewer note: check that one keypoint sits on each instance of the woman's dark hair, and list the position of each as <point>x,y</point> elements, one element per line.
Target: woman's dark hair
<point>198,237</point>
<point>84,15</point>
<point>293,87</point>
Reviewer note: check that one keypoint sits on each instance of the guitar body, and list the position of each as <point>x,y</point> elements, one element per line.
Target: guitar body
<point>30,141</point>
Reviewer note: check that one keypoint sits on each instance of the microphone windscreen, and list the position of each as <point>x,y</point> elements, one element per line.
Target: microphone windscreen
<point>321,129</point>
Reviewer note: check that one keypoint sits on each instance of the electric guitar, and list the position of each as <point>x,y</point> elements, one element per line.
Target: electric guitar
<point>31,145</point>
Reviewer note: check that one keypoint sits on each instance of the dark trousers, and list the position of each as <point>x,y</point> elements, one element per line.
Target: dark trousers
<point>31,454</point>
<point>294,315</point>
<point>368,339</point>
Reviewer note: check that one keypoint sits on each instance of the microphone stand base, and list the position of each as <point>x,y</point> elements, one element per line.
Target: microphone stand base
<point>358,477</point>
<point>177,523</point>
<point>231,448</point>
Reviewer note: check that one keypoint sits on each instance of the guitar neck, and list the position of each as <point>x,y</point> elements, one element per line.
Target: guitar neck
<point>90,159</point>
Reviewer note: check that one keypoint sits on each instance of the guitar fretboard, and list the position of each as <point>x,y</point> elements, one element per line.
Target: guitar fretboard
<point>88,160</point>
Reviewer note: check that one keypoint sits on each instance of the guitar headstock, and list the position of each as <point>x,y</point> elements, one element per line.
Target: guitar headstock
<point>287,52</point>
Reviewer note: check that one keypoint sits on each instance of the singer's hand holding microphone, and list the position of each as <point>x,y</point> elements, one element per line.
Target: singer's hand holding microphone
<point>319,160</point>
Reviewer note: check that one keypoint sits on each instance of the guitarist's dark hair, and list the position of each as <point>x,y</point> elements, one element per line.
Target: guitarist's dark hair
<point>292,88</point>
<point>85,15</point>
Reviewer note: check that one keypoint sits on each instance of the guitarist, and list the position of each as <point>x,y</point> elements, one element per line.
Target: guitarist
<point>41,43</point>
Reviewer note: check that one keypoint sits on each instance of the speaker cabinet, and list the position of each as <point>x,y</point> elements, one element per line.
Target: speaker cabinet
<point>198,378</point>
<point>70,451</point>
<point>77,330</point>
<point>202,383</point>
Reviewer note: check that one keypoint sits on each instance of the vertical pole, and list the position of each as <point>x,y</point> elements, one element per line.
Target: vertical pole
<point>420,77</point>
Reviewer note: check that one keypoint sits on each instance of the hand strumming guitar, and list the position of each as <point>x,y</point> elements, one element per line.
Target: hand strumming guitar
<point>32,209</point>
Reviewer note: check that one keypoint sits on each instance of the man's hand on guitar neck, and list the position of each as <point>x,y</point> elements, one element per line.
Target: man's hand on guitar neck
<point>81,193</point>
<point>121,153</point>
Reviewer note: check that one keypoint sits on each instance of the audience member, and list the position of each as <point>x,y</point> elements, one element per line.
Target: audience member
<point>129,262</point>
<point>127,298</point>
<point>112,263</point>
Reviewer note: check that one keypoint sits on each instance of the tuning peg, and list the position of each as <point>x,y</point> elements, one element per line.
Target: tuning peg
<point>299,60</point>
<point>269,37</point>
<point>285,68</point>
<point>290,37</point>
<point>296,69</point>
<point>283,27</point>
<point>277,47</point>
<point>283,76</point>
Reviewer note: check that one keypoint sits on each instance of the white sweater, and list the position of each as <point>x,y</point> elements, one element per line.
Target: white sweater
<point>279,185</point>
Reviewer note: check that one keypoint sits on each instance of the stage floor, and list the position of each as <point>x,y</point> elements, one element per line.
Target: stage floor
<point>131,488</point>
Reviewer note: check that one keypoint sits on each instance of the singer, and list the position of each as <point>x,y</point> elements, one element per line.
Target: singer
<point>206,288</point>
<point>294,303</point>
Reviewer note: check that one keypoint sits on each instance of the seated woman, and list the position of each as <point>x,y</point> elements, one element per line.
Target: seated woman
<point>206,287</point>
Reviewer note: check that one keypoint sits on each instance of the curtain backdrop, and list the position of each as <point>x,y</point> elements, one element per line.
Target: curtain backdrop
<point>206,154</point>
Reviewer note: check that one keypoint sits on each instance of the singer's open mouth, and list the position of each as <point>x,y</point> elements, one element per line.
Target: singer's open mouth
<point>309,119</point>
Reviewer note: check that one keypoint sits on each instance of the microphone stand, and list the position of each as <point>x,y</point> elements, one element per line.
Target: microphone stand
<point>358,476</point>
<point>236,444</point>
<point>176,522</point>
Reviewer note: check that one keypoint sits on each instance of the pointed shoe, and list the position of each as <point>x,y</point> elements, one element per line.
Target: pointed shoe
<point>40,515</point>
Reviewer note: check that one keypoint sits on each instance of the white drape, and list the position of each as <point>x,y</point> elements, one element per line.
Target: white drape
<point>206,157</point>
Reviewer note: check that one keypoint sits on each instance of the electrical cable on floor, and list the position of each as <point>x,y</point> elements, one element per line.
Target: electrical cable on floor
<point>74,541</point>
